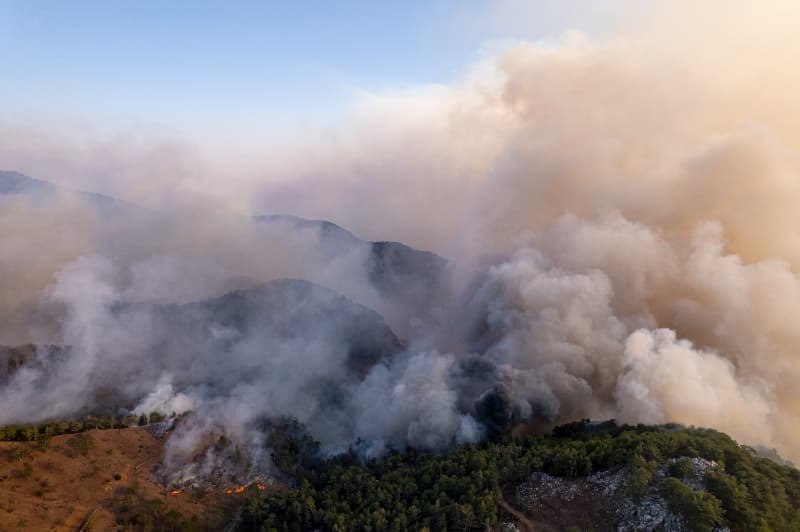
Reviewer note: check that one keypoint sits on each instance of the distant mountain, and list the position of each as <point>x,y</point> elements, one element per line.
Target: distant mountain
<point>399,269</point>
<point>14,183</point>
<point>401,273</point>
<point>413,282</point>
<point>396,270</point>
<point>278,312</point>
<point>328,230</point>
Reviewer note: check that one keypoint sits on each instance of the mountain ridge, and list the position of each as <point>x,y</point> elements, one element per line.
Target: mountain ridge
<point>16,183</point>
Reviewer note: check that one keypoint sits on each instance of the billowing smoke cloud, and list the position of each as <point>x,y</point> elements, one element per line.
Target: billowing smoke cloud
<point>621,224</point>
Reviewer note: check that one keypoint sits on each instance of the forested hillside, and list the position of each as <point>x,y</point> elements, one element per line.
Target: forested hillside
<point>460,490</point>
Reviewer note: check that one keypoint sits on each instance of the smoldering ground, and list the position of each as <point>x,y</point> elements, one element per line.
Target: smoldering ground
<point>621,229</point>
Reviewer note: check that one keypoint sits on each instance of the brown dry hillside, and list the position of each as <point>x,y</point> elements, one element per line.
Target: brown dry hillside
<point>103,477</point>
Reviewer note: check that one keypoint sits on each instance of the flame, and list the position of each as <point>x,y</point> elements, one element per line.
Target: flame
<point>175,492</point>
<point>240,489</point>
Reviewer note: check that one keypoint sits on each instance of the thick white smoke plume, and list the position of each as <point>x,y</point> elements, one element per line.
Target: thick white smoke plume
<point>623,240</point>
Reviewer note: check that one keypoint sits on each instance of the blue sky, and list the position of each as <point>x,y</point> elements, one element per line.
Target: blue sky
<point>181,63</point>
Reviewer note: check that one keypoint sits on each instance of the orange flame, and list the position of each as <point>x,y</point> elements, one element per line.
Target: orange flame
<point>240,489</point>
<point>260,486</point>
<point>175,492</point>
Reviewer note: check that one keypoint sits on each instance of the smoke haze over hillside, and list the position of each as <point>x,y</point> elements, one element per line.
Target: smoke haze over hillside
<point>619,217</point>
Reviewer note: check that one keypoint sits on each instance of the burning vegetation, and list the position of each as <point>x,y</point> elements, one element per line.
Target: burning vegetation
<point>241,489</point>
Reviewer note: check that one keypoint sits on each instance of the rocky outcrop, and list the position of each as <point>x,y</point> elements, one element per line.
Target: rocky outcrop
<point>603,500</point>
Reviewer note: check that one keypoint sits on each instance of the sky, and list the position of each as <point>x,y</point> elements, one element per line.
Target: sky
<point>188,66</point>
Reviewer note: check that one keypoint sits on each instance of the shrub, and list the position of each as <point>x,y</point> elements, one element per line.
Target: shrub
<point>702,510</point>
<point>682,468</point>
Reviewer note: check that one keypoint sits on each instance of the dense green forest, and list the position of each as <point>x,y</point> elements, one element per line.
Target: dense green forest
<point>44,431</point>
<point>459,490</point>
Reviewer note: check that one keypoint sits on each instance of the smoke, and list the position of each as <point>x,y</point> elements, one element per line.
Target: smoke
<point>662,375</point>
<point>602,312</point>
<point>620,219</point>
<point>164,399</point>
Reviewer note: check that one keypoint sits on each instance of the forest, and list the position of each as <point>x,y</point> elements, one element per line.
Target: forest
<point>459,490</point>
<point>42,432</point>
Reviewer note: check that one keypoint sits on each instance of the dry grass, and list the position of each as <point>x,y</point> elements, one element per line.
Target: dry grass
<point>106,474</point>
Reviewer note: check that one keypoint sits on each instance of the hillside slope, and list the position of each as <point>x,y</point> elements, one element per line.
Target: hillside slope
<point>104,477</point>
<point>584,476</point>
